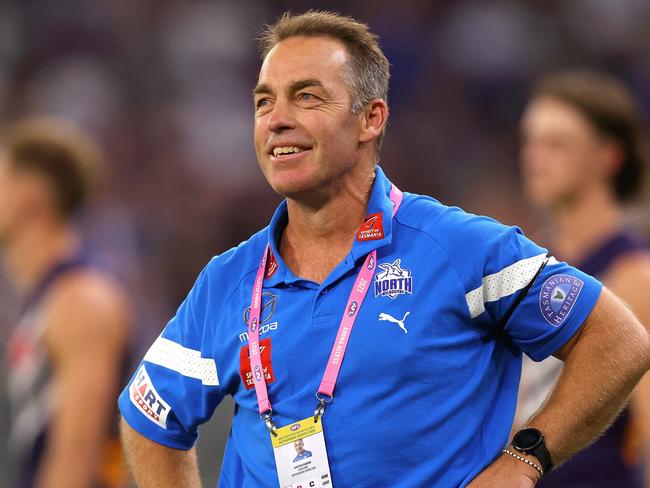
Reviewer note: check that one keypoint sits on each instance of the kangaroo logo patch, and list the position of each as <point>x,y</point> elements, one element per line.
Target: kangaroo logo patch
<point>392,280</point>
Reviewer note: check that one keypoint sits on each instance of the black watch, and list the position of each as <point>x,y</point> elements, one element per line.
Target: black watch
<point>531,441</point>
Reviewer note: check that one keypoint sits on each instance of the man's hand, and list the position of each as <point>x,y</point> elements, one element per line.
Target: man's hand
<point>506,472</point>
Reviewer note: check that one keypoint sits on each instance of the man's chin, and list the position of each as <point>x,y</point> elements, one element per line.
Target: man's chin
<point>293,188</point>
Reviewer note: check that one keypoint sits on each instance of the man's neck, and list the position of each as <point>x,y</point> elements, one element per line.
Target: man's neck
<point>318,237</point>
<point>581,225</point>
<point>29,254</point>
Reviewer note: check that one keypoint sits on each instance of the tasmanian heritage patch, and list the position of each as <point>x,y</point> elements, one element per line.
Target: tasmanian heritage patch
<point>557,297</point>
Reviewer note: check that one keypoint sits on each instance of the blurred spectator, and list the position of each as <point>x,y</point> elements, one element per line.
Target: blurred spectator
<point>582,161</point>
<point>67,355</point>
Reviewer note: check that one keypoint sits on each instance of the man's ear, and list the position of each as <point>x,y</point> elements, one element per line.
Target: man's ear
<point>374,118</point>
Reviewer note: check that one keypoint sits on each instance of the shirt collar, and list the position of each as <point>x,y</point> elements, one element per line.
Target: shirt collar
<point>376,232</point>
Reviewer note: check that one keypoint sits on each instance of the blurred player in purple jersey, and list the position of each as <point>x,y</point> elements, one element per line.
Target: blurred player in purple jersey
<point>581,162</point>
<point>67,353</point>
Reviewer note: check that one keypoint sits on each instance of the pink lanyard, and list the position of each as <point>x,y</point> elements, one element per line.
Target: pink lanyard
<point>355,300</point>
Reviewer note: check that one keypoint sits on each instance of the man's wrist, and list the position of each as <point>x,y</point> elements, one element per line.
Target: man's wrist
<point>522,467</point>
<point>527,459</point>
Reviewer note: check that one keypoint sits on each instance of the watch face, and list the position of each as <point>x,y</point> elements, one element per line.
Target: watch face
<point>527,439</point>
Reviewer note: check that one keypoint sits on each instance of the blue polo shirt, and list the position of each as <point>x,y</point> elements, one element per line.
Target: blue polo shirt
<point>432,365</point>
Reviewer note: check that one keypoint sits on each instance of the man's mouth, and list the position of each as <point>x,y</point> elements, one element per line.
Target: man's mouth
<point>282,150</point>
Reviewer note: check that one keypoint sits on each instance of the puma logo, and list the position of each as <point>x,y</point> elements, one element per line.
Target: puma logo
<point>400,323</point>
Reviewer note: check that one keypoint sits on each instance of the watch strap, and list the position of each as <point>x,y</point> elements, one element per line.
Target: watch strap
<point>543,456</point>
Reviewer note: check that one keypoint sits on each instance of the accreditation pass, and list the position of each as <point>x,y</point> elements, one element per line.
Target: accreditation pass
<point>301,456</point>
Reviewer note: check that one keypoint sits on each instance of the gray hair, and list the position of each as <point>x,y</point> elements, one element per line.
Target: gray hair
<point>368,70</point>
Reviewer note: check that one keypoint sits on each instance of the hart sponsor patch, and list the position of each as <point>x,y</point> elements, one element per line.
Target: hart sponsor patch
<point>372,228</point>
<point>392,280</point>
<point>557,297</point>
<point>145,397</point>
<point>249,378</point>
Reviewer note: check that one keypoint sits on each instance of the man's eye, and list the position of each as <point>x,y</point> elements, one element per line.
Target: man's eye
<point>262,102</point>
<point>306,97</point>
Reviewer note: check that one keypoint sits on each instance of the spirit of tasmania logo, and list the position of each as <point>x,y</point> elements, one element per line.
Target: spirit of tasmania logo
<point>393,280</point>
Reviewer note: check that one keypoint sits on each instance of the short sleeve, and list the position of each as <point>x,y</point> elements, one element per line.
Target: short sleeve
<point>512,284</point>
<point>176,385</point>
<point>552,309</point>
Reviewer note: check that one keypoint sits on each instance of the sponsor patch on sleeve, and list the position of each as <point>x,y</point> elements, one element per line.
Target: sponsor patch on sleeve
<point>247,377</point>
<point>145,397</point>
<point>557,297</point>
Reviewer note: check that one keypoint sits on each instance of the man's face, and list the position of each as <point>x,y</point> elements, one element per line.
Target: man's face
<point>302,101</point>
<point>561,153</point>
<point>300,446</point>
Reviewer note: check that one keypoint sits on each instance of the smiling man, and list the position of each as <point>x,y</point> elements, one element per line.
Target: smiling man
<point>301,452</point>
<point>344,251</point>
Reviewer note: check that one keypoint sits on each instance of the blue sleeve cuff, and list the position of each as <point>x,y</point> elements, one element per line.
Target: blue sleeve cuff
<point>589,299</point>
<point>145,427</point>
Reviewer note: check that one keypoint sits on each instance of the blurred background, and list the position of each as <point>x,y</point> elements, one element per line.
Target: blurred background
<point>165,86</point>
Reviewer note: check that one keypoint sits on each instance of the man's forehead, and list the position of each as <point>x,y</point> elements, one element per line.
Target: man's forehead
<point>301,57</point>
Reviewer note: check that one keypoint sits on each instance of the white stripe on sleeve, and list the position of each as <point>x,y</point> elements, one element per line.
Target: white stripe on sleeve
<point>187,362</point>
<point>503,283</point>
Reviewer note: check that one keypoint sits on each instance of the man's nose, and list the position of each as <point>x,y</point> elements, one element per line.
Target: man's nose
<point>282,116</point>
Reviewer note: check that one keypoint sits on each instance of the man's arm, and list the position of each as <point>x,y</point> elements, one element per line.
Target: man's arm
<point>630,280</point>
<point>156,466</point>
<point>85,332</point>
<point>603,363</point>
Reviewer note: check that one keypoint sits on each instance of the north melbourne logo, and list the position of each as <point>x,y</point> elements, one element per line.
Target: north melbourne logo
<point>393,280</point>
<point>145,397</point>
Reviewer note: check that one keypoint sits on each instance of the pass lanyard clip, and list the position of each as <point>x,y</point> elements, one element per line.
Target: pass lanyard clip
<point>320,406</point>
<point>325,394</point>
<point>267,417</point>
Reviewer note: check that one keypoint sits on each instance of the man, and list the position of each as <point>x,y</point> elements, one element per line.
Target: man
<point>431,407</point>
<point>581,164</point>
<point>66,356</point>
<point>301,452</point>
